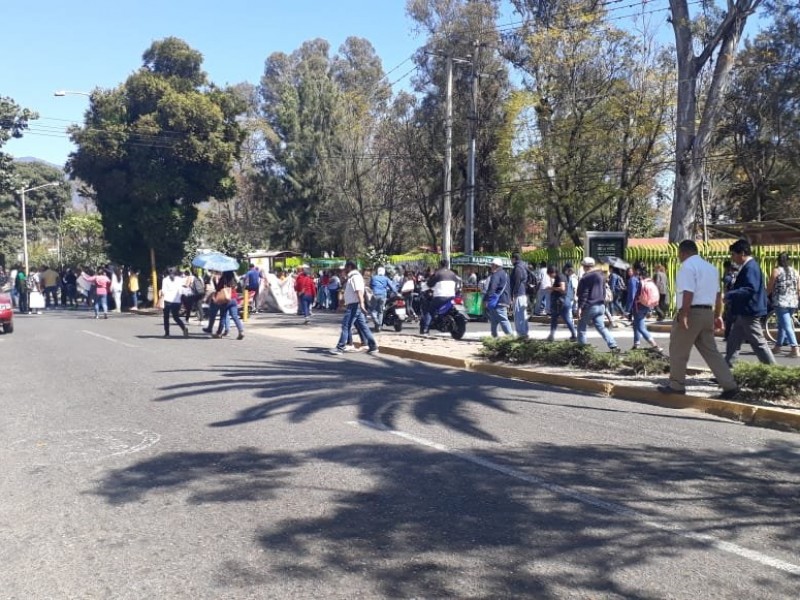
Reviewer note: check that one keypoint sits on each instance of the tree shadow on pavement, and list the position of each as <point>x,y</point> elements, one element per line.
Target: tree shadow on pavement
<point>301,389</point>
<point>423,523</point>
<point>242,475</point>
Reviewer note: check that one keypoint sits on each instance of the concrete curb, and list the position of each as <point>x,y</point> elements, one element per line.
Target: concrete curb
<point>774,418</point>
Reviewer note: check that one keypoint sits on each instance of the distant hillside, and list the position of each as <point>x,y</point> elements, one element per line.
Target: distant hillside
<point>33,159</point>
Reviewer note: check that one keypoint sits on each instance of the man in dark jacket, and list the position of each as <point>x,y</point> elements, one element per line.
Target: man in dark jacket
<point>519,294</point>
<point>747,301</point>
<point>591,303</point>
<point>498,298</point>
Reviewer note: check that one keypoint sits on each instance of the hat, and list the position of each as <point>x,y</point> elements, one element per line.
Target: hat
<point>588,262</point>
<point>381,271</point>
<point>497,262</point>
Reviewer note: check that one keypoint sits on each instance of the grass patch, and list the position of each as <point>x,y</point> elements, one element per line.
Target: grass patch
<point>569,354</point>
<point>768,382</point>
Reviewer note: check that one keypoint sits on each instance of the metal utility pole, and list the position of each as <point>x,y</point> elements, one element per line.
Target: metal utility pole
<point>469,224</point>
<point>447,216</point>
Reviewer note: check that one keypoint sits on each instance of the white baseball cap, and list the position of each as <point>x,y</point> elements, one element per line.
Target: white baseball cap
<point>497,262</point>
<point>588,262</point>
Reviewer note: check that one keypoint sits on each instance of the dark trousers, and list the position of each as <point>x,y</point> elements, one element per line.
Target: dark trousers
<point>661,309</point>
<point>748,329</point>
<point>172,309</point>
<point>433,307</point>
<point>23,301</point>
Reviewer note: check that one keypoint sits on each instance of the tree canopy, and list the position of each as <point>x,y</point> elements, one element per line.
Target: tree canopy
<point>154,148</point>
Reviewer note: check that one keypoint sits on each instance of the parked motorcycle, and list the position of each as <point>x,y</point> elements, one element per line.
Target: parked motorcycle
<point>394,314</point>
<point>451,318</point>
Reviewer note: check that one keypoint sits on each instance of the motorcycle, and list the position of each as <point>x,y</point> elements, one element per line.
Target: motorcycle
<point>451,318</point>
<point>394,314</point>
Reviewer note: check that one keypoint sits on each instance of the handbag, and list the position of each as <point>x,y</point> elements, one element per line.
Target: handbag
<point>223,296</point>
<point>494,299</point>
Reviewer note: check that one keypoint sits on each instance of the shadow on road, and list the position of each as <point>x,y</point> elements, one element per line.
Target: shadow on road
<point>430,524</point>
<point>301,389</point>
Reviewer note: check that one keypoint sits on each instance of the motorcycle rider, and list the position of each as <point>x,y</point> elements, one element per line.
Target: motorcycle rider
<point>443,285</point>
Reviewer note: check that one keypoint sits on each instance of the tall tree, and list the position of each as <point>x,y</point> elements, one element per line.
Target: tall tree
<point>585,136</point>
<point>154,148</point>
<point>698,114</point>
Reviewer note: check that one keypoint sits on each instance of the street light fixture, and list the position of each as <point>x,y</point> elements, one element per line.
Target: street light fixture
<point>25,220</point>
<point>61,93</point>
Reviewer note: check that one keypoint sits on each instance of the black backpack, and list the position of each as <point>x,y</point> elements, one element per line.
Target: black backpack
<point>534,280</point>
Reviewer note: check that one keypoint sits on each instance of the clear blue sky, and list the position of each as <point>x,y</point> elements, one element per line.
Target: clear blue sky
<point>49,45</point>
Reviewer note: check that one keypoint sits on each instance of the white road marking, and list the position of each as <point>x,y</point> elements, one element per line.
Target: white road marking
<point>611,507</point>
<point>109,339</point>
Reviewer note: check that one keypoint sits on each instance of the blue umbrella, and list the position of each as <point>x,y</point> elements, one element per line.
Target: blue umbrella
<point>215,261</point>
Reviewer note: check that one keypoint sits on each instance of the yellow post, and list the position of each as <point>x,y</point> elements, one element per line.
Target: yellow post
<point>154,275</point>
<point>246,312</point>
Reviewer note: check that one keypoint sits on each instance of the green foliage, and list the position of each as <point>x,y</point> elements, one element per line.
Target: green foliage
<point>13,122</point>
<point>374,258</point>
<point>154,148</point>
<point>570,354</point>
<point>768,382</point>
<point>83,241</point>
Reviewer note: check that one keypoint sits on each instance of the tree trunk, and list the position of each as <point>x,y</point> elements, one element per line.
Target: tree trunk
<point>693,135</point>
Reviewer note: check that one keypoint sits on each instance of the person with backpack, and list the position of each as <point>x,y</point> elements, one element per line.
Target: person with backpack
<point>618,291</point>
<point>643,297</point>
<point>783,289</point>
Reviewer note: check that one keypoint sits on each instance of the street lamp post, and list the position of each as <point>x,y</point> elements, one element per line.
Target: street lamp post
<point>25,221</point>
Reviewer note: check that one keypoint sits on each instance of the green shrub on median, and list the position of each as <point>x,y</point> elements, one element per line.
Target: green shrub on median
<point>768,381</point>
<point>570,354</point>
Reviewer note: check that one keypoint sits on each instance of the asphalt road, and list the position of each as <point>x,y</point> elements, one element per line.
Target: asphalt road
<point>140,467</point>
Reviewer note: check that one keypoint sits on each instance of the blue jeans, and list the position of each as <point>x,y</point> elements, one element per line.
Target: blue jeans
<point>786,335</point>
<point>566,314</point>
<point>521,315</point>
<point>305,304</point>
<point>376,309</point>
<point>542,302</point>
<point>100,301</point>
<point>640,325</point>
<point>431,309</point>
<point>354,316</point>
<point>499,316</point>
<point>231,309</point>
<point>594,314</point>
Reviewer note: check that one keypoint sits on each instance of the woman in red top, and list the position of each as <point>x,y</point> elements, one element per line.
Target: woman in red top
<point>306,292</point>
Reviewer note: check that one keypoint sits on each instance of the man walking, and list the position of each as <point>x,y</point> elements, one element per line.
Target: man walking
<point>355,310</point>
<point>592,304</point>
<point>381,286</point>
<point>498,298</point>
<point>748,304</point>
<point>542,306</point>
<point>519,295</point>
<point>171,292</point>
<point>699,303</point>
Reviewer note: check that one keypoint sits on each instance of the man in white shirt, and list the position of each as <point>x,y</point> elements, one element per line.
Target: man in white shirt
<point>542,306</point>
<point>699,314</point>
<point>171,293</point>
<point>355,310</point>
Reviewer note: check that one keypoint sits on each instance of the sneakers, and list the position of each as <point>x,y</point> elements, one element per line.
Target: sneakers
<point>615,350</point>
<point>728,394</point>
<point>240,336</point>
<point>794,352</point>
<point>350,348</point>
<point>776,349</point>
<point>206,329</point>
<point>186,332</point>
<point>373,351</point>
<point>336,351</point>
<point>550,338</point>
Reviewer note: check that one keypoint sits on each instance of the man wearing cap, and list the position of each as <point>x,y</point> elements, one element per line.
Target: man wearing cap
<point>699,313</point>
<point>519,294</point>
<point>592,304</point>
<point>498,298</point>
<point>381,286</point>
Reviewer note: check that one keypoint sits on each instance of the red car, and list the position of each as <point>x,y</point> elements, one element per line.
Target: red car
<point>6,313</point>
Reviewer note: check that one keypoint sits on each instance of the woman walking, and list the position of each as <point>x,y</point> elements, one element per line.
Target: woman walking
<point>643,296</point>
<point>101,285</point>
<point>227,290</point>
<point>783,289</point>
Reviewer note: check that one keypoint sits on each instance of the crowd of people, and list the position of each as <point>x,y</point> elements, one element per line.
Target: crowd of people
<point>99,289</point>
